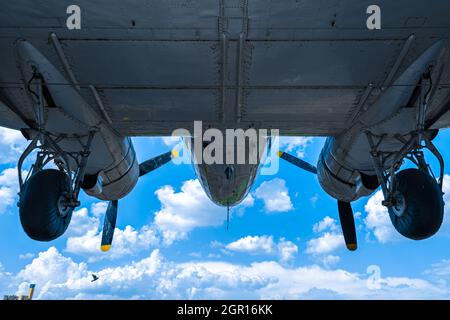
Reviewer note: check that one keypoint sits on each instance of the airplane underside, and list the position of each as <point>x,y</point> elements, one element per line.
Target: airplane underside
<point>147,69</point>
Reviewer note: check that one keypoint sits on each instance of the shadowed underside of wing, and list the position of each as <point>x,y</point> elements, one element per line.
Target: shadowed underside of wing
<point>306,68</point>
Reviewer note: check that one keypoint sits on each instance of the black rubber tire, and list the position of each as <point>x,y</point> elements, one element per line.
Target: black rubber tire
<point>424,205</point>
<point>39,213</point>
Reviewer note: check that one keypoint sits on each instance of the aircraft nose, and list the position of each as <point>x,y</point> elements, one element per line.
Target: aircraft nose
<point>228,191</point>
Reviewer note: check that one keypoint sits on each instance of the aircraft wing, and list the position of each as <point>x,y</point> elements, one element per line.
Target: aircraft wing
<point>305,67</point>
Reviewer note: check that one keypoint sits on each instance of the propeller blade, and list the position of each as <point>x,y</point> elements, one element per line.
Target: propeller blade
<point>297,162</point>
<point>156,162</point>
<point>111,213</point>
<point>109,225</point>
<point>348,225</point>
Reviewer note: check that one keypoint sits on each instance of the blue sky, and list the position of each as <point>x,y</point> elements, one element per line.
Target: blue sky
<point>284,241</point>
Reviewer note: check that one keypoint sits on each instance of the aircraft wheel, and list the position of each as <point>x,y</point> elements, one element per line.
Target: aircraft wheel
<point>419,208</point>
<point>43,213</point>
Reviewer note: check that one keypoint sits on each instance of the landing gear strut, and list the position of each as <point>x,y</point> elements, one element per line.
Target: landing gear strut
<point>48,197</point>
<point>413,197</point>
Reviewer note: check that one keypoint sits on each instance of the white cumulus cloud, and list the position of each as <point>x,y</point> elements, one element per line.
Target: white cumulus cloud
<point>287,250</point>
<point>12,144</point>
<point>255,245</point>
<point>296,145</point>
<point>330,260</point>
<point>330,239</point>
<point>275,196</point>
<point>85,236</point>
<point>183,211</point>
<point>154,277</point>
<point>26,256</point>
<point>377,220</point>
<point>51,270</point>
<point>326,243</point>
<point>171,141</point>
<point>180,213</point>
<point>6,283</point>
<point>264,245</point>
<point>440,269</point>
<point>326,223</point>
<point>9,187</point>
<point>446,190</point>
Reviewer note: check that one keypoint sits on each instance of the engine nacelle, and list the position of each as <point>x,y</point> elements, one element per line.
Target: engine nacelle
<point>116,181</point>
<point>339,181</point>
